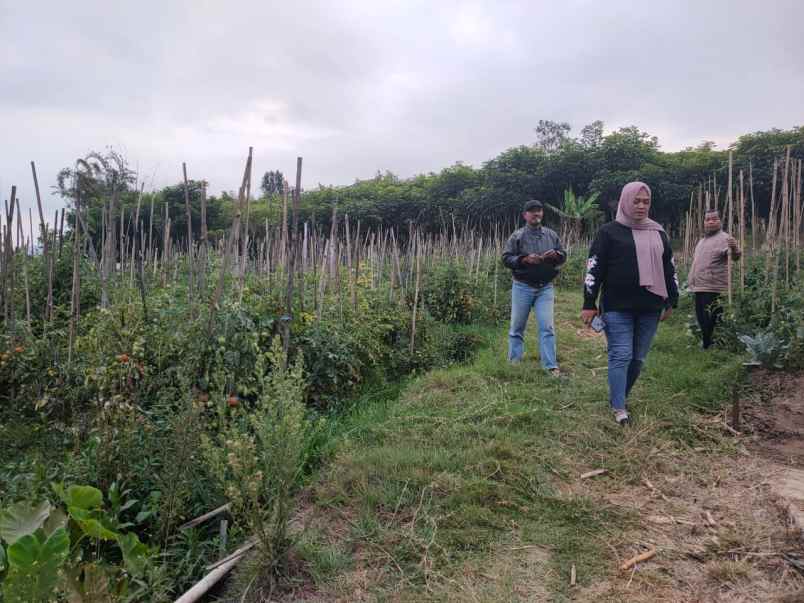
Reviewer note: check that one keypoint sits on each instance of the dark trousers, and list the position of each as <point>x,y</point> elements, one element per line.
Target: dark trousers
<point>708,311</point>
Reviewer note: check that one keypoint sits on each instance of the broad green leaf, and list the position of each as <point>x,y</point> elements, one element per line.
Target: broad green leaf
<point>56,520</point>
<point>21,520</point>
<point>34,567</point>
<point>135,553</point>
<point>91,526</point>
<point>84,497</point>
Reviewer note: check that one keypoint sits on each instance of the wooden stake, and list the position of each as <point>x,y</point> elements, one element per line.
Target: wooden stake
<point>415,294</point>
<point>189,238</point>
<point>638,559</point>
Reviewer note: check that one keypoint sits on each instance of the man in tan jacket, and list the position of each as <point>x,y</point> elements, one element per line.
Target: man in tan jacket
<point>708,277</point>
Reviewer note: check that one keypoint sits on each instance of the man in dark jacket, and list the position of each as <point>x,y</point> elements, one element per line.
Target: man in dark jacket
<point>533,253</point>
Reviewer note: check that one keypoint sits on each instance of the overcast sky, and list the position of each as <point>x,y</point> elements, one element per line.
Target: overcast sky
<point>366,85</point>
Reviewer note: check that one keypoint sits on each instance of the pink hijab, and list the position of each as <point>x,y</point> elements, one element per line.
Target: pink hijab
<point>647,238</point>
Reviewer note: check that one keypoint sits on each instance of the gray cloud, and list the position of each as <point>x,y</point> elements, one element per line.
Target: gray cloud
<point>359,86</point>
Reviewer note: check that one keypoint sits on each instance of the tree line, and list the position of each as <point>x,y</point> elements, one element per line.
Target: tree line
<point>592,163</point>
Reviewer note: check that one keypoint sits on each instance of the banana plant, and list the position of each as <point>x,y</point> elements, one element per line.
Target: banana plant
<point>578,210</point>
<point>577,207</point>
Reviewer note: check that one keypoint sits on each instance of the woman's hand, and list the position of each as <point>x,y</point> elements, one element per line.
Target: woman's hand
<point>587,316</point>
<point>666,314</point>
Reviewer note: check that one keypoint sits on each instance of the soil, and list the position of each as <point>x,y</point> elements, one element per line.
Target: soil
<point>774,416</point>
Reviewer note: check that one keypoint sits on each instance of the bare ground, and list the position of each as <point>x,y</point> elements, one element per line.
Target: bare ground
<point>723,525</point>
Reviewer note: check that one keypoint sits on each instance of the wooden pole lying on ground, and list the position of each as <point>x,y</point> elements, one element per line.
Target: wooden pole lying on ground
<point>638,559</point>
<point>202,587</point>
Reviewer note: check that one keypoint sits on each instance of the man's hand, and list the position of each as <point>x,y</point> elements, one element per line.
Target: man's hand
<point>666,314</point>
<point>733,244</point>
<point>533,258</point>
<point>587,316</point>
<point>551,256</point>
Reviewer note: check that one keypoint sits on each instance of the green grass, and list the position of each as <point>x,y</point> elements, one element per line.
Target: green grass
<point>475,461</point>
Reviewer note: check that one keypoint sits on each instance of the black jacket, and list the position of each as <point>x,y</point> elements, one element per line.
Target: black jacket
<point>527,240</point>
<point>612,266</point>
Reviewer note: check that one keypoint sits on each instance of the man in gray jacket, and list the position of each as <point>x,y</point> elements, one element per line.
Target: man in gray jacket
<point>533,253</point>
<point>708,276</point>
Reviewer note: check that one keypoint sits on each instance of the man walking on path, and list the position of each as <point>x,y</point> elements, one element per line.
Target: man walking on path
<point>708,277</point>
<point>533,253</point>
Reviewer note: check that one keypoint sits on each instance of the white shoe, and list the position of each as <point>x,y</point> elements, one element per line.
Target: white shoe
<point>622,417</point>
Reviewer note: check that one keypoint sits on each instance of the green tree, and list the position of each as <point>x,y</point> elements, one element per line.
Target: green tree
<point>271,183</point>
<point>551,135</point>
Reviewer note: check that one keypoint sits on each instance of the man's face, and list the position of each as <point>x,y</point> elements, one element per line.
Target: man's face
<point>533,216</point>
<point>711,222</point>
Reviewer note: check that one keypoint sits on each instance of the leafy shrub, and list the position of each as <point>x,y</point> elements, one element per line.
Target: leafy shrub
<point>449,295</point>
<point>258,458</point>
<point>770,330</point>
<point>766,349</point>
<point>573,270</point>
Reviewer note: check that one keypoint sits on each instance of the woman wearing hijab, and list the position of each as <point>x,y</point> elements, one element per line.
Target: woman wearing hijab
<point>631,261</point>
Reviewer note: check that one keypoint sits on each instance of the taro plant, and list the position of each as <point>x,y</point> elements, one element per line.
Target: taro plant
<point>42,557</point>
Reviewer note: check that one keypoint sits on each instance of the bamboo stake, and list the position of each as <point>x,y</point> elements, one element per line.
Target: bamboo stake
<point>61,231</point>
<point>45,245</point>
<point>729,204</point>
<point>189,238</point>
<point>742,235</point>
<point>197,592</point>
<point>786,198</point>
<point>285,224</point>
<point>292,246</point>
<point>349,256</point>
<point>230,247</point>
<point>25,274</point>
<point>245,237</point>
<point>203,251</point>
<point>417,246</point>
<point>753,210</point>
<point>357,269</point>
<point>8,300</point>
<point>151,232</point>
<point>75,299</point>
<point>799,216</point>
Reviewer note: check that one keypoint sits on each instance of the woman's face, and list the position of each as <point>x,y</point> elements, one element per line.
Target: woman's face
<point>641,204</point>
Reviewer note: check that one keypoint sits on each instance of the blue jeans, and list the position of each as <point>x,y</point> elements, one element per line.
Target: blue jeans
<point>523,298</point>
<point>629,336</point>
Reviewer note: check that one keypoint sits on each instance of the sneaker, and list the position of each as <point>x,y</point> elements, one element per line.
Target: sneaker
<point>554,372</point>
<point>622,417</point>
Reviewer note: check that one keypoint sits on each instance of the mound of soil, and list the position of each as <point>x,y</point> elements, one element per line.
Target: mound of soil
<point>775,415</point>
